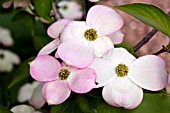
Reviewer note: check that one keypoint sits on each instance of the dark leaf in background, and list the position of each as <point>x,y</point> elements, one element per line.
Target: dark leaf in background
<point>4,109</point>
<point>22,72</point>
<point>43,8</point>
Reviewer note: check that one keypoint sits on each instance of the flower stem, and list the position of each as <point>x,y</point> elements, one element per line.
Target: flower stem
<point>146,38</point>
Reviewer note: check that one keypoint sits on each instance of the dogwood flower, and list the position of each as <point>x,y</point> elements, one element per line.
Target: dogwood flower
<point>23,109</point>
<point>82,41</point>
<point>31,92</point>
<point>7,59</point>
<point>70,9</point>
<point>5,37</point>
<point>123,76</point>
<point>16,3</point>
<point>60,79</point>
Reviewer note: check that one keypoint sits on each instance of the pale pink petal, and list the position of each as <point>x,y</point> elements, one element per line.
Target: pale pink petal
<point>104,19</point>
<point>149,72</point>
<point>56,92</point>
<point>56,55</point>
<point>21,3</point>
<point>72,69</point>
<point>44,68</point>
<point>73,30</point>
<point>22,109</point>
<point>56,28</point>
<point>6,37</point>
<point>76,52</point>
<point>117,37</point>
<point>49,48</point>
<point>118,56</point>
<point>102,45</point>
<point>168,85</point>
<point>7,4</point>
<point>36,99</point>
<point>25,92</point>
<point>12,57</point>
<point>82,81</point>
<point>104,71</point>
<point>122,92</point>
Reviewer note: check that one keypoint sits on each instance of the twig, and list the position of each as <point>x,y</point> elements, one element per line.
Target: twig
<point>146,38</point>
<point>164,49</point>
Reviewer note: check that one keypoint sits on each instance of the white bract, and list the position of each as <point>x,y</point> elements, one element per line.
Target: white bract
<point>7,59</point>
<point>5,37</point>
<point>70,9</point>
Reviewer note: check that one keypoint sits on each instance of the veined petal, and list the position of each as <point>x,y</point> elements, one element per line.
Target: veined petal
<point>56,28</point>
<point>49,48</point>
<point>117,37</point>
<point>22,109</point>
<point>104,19</point>
<point>56,92</point>
<point>104,71</point>
<point>76,52</point>
<point>149,72</point>
<point>44,68</point>
<point>121,92</point>
<point>118,56</point>
<point>101,45</point>
<point>36,99</point>
<point>73,30</point>
<point>82,81</point>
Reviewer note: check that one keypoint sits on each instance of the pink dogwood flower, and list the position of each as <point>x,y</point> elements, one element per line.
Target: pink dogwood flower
<point>123,76</point>
<point>82,41</point>
<point>60,79</point>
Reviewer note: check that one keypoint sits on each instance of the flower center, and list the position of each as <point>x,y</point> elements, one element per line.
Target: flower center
<point>65,7</point>
<point>63,74</point>
<point>91,34</point>
<point>122,70</point>
<point>1,56</point>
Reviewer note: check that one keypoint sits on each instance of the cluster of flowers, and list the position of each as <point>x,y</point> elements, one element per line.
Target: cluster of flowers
<point>89,57</point>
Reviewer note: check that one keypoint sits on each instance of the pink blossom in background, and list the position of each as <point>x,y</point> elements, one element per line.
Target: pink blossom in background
<point>123,76</point>
<point>16,3</point>
<point>5,37</point>
<point>60,79</point>
<point>31,92</point>
<point>70,9</point>
<point>81,41</point>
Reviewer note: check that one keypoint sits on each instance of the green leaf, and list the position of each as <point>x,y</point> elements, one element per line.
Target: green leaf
<point>66,107</point>
<point>43,8</point>
<point>151,103</point>
<point>154,103</point>
<point>4,109</point>
<point>27,19</point>
<point>148,14</point>
<point>83,104</point>
<point>127,46</point>
<point>22,72</point>
<point>103,107</point>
